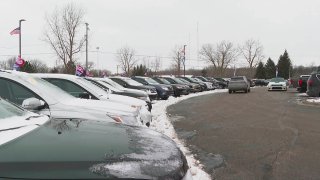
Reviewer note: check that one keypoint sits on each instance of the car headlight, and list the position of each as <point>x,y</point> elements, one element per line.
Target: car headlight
<point>144,98</point>
<point>179,87</point>
<point>165,88</point>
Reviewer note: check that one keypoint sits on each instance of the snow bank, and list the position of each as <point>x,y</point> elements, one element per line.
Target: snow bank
<point>314,100</point>
<point>161,123</point>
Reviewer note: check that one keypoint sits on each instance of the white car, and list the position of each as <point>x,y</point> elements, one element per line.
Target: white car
<point>82,88</point>
<point>277,83</point>
<point>42,97</point>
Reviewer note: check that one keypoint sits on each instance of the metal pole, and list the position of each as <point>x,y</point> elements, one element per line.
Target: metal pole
<point>184,60</point>
<point>117,70</point>
<point>98,60</point>
<point>20,36</point>
<point>87,45</point>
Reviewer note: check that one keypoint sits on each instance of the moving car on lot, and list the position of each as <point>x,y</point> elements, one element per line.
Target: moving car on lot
<point>42,97</point>
<point>277,83</point>
<point>302,83</point>
<point>81,88</point>
<point>313,88</point>
<point>36,147</point>
<point>163,90</point>
<point>132,84</point>
<point>239,83</point>
<point>178,89</point>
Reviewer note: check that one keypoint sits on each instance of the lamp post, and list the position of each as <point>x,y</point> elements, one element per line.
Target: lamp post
<point>98,60</point>
<point>20,36</point>
<point>87,28</point>
<point>184,60</point>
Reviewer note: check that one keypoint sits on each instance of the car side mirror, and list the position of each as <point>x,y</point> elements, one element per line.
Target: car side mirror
<point>84,95</point>
<point>33,104</point>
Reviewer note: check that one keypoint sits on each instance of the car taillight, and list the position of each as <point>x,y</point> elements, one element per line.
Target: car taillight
<point>310,82</point>
<point>300,82</point>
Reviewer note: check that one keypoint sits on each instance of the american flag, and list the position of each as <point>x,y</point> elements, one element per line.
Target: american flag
<point>15,31</point>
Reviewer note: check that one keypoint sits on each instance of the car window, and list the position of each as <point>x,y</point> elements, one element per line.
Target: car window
<point>132,82</point>
<point>68,86</point>
<point>15,92</point>
<point>8,110</point>
<point>237,79</point>
<point>164,81</point>
<point>151,81</point>
<point>277,80</point>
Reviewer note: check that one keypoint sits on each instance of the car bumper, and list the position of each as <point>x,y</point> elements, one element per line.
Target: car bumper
<point>277,88</point>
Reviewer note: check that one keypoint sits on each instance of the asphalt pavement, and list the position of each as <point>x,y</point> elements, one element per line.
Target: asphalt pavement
<point>256,135</point>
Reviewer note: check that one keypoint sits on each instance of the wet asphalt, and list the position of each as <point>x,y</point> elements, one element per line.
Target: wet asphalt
<point>258,135</point>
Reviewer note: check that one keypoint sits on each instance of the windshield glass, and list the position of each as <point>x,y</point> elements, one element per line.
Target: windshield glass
<point>151,81</point>
<point>91,86</point>
<point>46,88</point>
<point>104,84</point>
<point>237,79</point>
<point>277,80</point>
<point>9,110</point>
<point>179,81</point>
<point>164,81</point>
<point>183,80</point>
<point>112,83</point>
<point>132,82</point>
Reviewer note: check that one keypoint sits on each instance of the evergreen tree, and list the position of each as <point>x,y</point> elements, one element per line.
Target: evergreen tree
<point>284,65</point>
<point>270,69</point>
<point>139,70</point>
<point>28,67</point>
<point>260,71</point>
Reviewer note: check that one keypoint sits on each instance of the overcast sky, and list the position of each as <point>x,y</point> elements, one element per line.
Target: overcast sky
<point>155,27</point>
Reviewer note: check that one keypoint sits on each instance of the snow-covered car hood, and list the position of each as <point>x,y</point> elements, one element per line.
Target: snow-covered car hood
<point>72,149</point>
<point>123,99</point>
<point>13,127</point>
<point>104,106</point>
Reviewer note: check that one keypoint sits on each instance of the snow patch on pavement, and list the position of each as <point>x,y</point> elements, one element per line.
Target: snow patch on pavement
<point>314,100</point>
<point>162,124</point>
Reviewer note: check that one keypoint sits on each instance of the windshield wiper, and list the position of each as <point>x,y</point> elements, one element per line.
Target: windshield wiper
<point>31,117</point>
<point>9,129</point>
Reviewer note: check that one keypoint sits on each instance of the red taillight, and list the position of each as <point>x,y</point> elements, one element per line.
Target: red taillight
<point>300,82</point>
<point>310,82</point>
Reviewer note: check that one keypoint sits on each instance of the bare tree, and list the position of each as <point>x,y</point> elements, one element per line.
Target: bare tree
<point>156,65</point>
<point>221,55</point>
<point>39,66</point>
<point>126,58</point>
<point>177,58</point>
<point>8,64</point>
<point>63,34</point>
<point>252,51</point>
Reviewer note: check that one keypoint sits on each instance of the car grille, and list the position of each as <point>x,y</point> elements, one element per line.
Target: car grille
<point>276,85</point>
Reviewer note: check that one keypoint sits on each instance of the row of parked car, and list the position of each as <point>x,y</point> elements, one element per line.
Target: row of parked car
<point>65,126</point>
<point>310,84</point>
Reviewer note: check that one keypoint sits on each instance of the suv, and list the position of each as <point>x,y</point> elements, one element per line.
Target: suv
<point>313,84</point>
<point>239,83</point>
<point>302,83</point>
<point>178,89</point>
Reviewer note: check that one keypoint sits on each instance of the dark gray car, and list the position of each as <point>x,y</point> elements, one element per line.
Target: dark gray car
<point>239,83</point>
<point>313,84</point>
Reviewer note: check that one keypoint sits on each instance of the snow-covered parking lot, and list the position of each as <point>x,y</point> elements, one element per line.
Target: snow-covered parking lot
<point>162,123</point>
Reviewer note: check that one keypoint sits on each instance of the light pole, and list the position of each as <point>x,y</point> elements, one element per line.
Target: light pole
<point>87,28</point>
<point>98,60</point>
<point>20,36</point>
<point>184,60</point>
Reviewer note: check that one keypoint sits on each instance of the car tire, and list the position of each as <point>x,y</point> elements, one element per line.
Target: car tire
<point>165,98</point>
<point>249,90</point>
<point>230,91</point>
<point>246,91</point>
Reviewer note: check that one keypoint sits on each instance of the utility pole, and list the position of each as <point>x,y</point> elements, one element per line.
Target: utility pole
<point>184,60</point>
<point>87,28</point>
<point>98,60</point>
<point>20,36</point>
<point>117,70</point>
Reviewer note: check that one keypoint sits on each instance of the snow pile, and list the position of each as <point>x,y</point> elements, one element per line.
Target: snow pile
<point>314,100</point>
<point>161,123</point>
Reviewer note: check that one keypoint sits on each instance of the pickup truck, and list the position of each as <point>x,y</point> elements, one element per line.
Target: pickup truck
<point>302,83</point>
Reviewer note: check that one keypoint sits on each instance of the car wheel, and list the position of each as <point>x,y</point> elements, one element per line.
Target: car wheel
<point>230,91</point>
<point>249,90</point>
<point>246,91</point>
<point>165,98</point>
